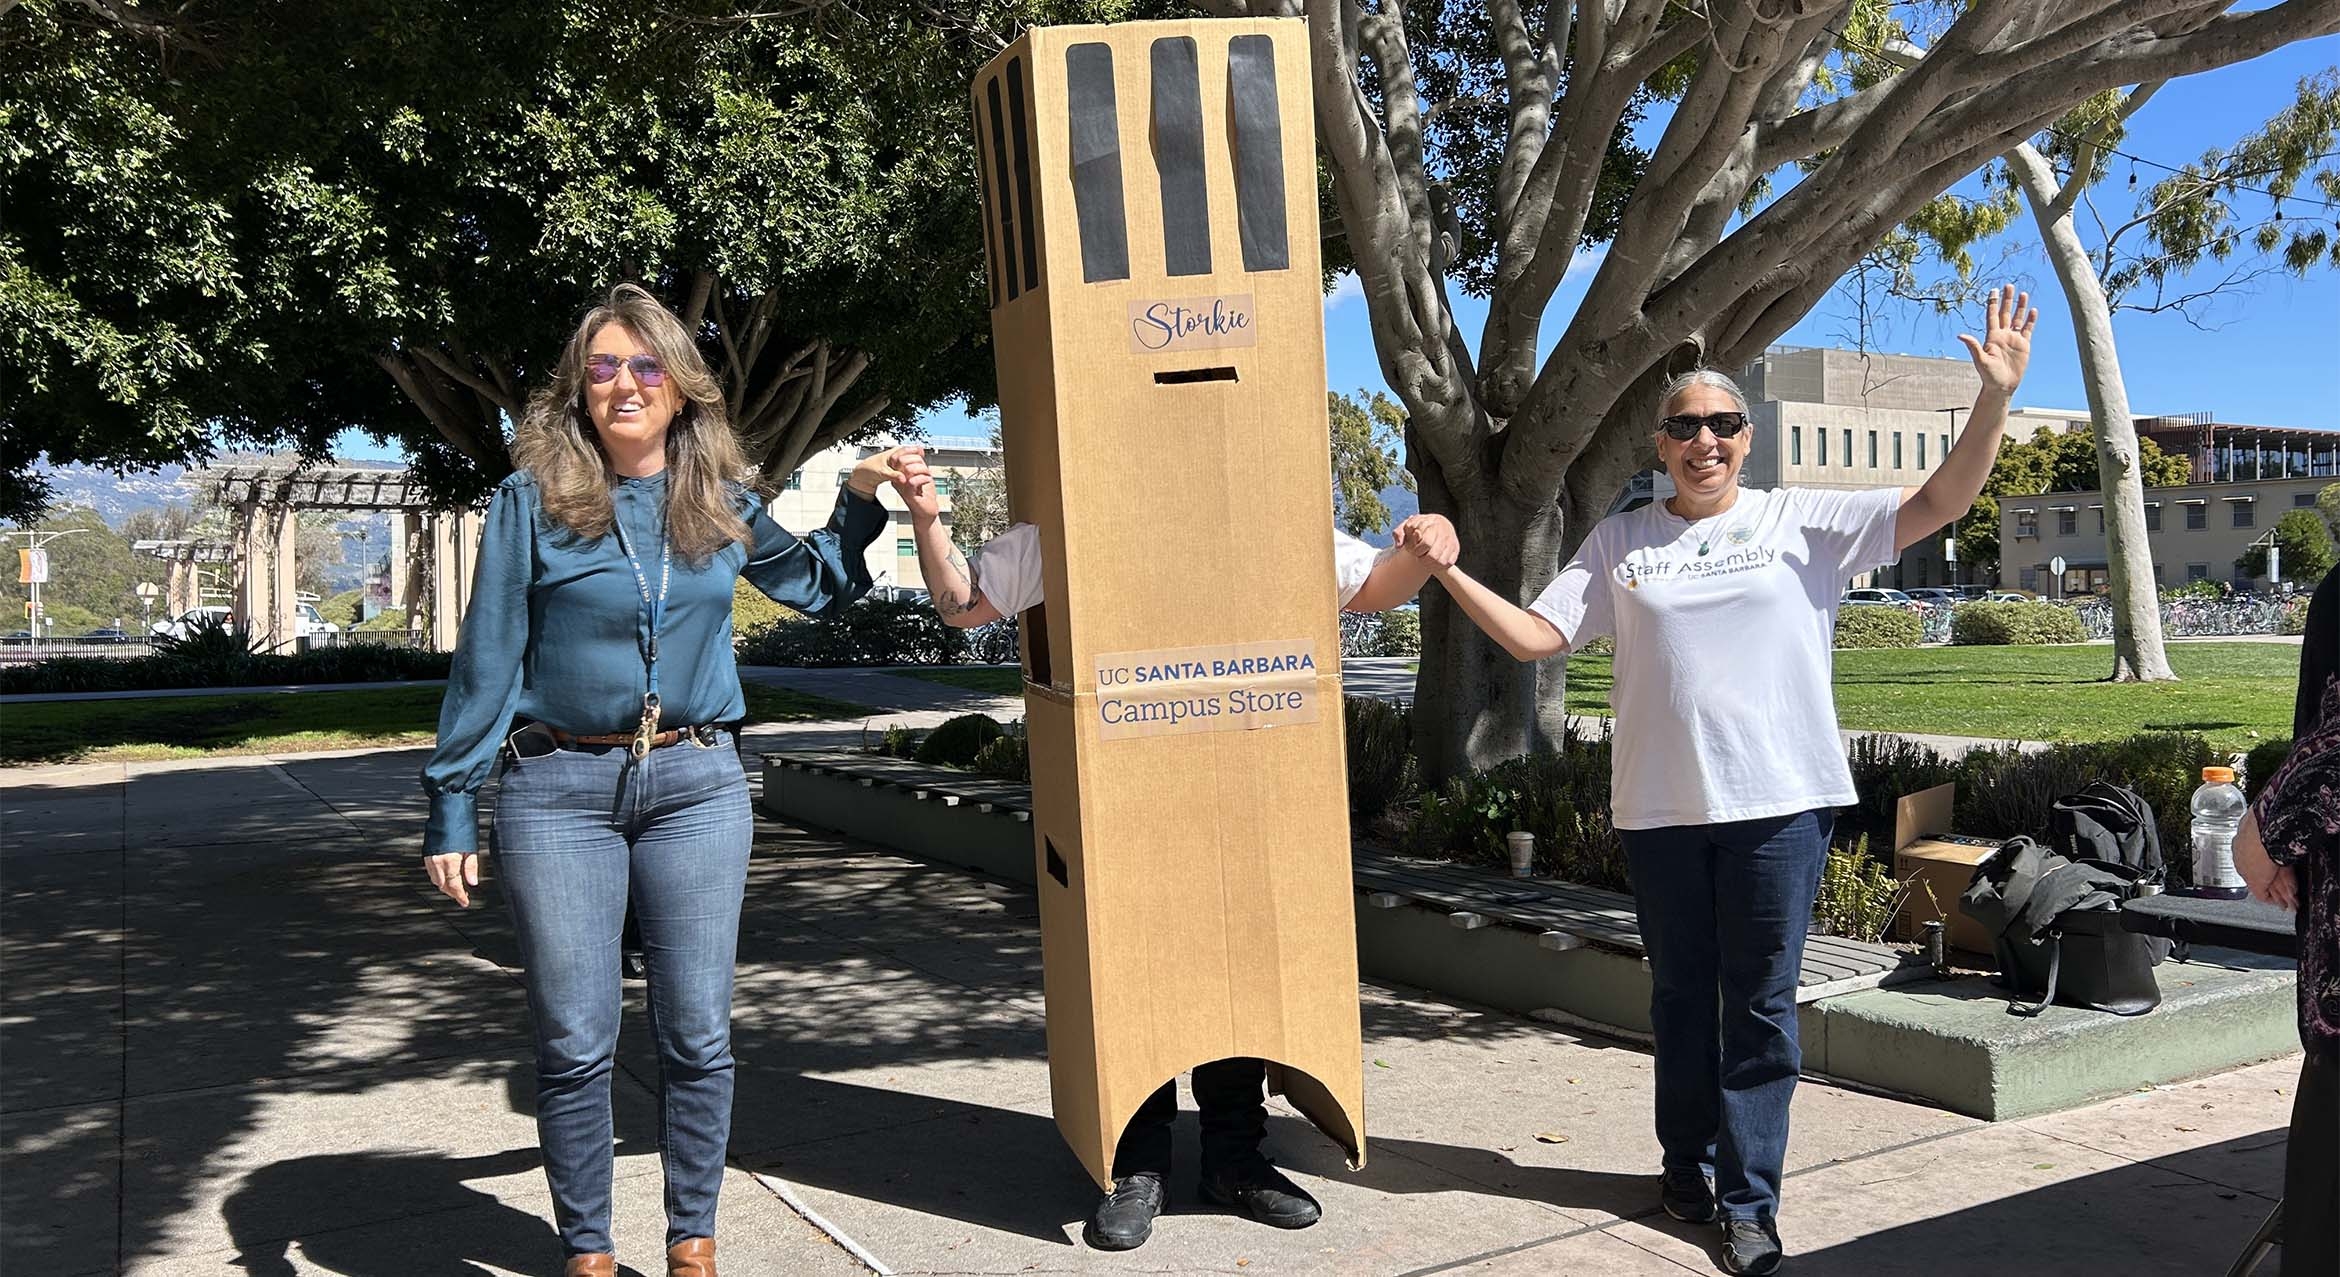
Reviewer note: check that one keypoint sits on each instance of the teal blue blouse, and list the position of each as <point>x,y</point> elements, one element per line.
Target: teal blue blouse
<point>555,629</point>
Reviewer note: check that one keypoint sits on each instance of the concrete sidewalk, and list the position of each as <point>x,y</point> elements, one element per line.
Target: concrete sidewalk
<point>242,1036</point>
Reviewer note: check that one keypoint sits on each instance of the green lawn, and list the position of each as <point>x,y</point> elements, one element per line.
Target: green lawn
<point>994,680</point>
<point>143,729</point>
<point>2226,691</point>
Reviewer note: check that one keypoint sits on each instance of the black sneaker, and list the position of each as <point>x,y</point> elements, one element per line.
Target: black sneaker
<point>631,965</point>
<point>1261,1191</point>
<point>1687,1195</point>
<point>1751,1246</point>
<point>1125,1219</point>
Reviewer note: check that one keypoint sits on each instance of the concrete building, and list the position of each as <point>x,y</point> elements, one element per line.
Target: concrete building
<point>1842,419</point>
<point>2248,478</point>
<point>808,495</point>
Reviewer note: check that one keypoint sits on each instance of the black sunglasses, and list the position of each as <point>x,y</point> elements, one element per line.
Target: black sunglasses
<point>1683,429</point>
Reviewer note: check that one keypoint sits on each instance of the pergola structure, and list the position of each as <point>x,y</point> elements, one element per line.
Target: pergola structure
<point>433,552</point>
<point>182,590</point>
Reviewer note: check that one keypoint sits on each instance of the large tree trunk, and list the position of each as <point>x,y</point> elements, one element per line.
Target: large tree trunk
<point>1474,704</point>
<point>2138,653</point>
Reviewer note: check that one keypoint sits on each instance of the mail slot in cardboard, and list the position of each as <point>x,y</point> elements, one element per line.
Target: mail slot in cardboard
<point>1150,213</point>
<point>1937,865</point>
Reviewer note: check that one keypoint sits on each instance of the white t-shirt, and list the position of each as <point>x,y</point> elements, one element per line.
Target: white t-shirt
<point>1725,642</point>
<point>1007,568</point>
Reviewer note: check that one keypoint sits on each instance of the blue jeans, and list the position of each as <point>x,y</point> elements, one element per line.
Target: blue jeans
<point>576,832</point>
<point>1724,910</point>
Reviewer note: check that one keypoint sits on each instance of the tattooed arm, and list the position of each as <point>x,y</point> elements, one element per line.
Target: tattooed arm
<point>949,582</point>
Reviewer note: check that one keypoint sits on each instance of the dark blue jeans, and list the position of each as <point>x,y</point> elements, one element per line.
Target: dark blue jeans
<point>1724,910</point>
<point>577,832</point>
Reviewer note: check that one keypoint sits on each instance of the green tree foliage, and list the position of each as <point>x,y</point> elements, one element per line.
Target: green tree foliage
<point>93,575</point>
<point>387,215</point>
<point>1366,431</point>
<point>2306,544</point>
<point>2050,461</point>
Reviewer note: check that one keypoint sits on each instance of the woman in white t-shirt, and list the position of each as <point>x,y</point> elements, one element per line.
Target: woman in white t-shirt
<point>1004,580</point>
<point>1728,769</point>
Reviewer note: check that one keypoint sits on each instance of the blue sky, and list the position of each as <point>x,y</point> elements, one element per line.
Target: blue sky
<point>2269,355</point>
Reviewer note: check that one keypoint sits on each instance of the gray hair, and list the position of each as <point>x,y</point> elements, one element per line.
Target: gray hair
<point>1701,377</point>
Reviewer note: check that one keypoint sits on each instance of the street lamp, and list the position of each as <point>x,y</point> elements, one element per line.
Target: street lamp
<point>34,572</point>
<point>1950,440</point>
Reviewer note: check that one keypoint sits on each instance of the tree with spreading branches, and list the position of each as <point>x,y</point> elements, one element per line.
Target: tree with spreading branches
<point>1471,146</point>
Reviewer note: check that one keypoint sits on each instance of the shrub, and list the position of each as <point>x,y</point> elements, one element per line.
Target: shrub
<point>1604,645</point>
<point>959,740</point>
<point>2261,763</point>
<point>1381,754</point>
<point>899,742</point>
<point>2004,792</point>
<point>1858,895</point>
<point>389,618</point>
<point>752,613</point>
<point>1879,627</point>
<point>2202,589</point>
<point>214,656</point>
<point>1559,795</point>
<point>2294,618</point>
<point>342,608</point>
<point>1392,633</point>
<point>871,632</point>
<point>1885,769</point>
<point>1009,757</point>
<point>1992,624</point>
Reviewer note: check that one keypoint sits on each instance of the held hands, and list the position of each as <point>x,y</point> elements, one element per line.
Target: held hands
<point>2005,350</point>
<point>915,485</point>
<point>1430,538</point>
<point>886,467</point>
<point>454,874</point>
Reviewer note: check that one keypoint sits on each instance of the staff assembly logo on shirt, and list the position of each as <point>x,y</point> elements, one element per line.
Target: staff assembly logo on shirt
<point>1672,562</point>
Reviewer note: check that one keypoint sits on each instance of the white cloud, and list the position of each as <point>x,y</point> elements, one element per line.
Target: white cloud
<point>1346,287</point>
<point>1586,261</point>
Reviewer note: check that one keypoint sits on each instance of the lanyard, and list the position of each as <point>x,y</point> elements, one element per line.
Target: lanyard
<point>654,609</point>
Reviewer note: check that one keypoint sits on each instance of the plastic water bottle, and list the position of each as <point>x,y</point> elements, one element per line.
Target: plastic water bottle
<point>2218,815</point>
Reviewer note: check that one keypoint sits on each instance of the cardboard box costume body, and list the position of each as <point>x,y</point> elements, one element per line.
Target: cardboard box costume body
<point>1150,219</point>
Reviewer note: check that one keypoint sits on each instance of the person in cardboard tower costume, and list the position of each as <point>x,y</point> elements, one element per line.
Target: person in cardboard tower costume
<point>1005,579</point>
<point>1150,231</point>
<point>1728,770</point>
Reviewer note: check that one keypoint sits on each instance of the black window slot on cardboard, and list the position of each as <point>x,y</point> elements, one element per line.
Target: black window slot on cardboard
<point>1096,162</point>
<point>999,168</point>
<point>1189,376</point>
<point>1023,124</point>
<point>1178,154</point>
<point>1259,152</point>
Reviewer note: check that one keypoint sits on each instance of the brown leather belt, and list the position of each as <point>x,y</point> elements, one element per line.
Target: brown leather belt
<point>705,734</point>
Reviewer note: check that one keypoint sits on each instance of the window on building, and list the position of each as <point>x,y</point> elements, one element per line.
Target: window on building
<point>2299,499</point>
<point>2157,574</point>
<point>1872,450</point>
<point>2030,578</point>
<point>1921,449</point>
<point>1823,445</point>
<point>2245,513</point>
<point>1795,445</point>
<point>1945,448</point>
<point>2197,571</point>
<point>907,547</point>
<point>1897,450</point>
<point>2197,516</point>
<point>2153,516</point>
<point>794,482</point>
<point>842,476</point>
<point>2027,523</point>
<point>2067,522</point>
<point>1848,448</point>
<point>947,485</point>
<point>2099,518</point>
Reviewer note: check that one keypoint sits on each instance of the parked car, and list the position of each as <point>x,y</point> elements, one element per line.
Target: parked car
<point>1936,596</point>
<point>106,635</point>
<point>17,638</point>
<point>1879,598</point>
<point>184,625</point>
<point>311,624</point>
<point>2010,596</point>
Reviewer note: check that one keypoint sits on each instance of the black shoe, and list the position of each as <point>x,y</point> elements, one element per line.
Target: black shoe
<point>1125,1219</point>
<point>1687,1195</point>
<point>1261,1191</point>
<point>1751,1246</point>
<point>632,967</point>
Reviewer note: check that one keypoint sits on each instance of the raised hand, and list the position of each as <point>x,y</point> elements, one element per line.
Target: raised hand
<point>882,468</point>
<point>1431,538</point>
<point>2005,350</point>
<point>915,485</point>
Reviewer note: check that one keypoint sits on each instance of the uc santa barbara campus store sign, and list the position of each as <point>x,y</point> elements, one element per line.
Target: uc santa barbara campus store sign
<point>1231,687</point>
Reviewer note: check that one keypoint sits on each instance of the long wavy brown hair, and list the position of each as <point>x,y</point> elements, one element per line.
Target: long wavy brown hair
<point>705,468</point>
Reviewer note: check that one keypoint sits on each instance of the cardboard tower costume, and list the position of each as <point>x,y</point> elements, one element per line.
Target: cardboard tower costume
<point>1150,215</point>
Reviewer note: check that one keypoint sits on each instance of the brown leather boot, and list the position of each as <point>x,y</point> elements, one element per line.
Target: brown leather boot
<point>691,1257</point>
<point>590,1266</point>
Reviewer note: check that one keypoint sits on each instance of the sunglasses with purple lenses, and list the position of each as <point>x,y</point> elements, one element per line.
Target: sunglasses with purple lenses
<point>1685,428</point>
<point>603,369</point>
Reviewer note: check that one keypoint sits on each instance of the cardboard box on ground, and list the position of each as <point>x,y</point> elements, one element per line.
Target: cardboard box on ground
<point>1926,855</point>
<point>1157,312</point>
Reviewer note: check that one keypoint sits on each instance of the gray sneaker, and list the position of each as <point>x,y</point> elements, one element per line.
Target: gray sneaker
<point>1751,1246</point>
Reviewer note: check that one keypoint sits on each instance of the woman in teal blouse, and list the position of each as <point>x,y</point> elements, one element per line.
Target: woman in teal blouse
<point>601,618</point>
